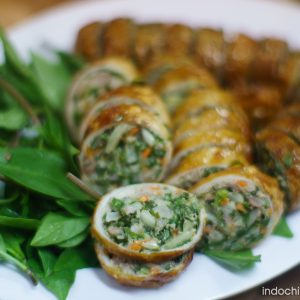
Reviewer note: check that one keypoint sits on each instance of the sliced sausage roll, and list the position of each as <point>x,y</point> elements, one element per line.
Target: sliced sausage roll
<point>91,83</point>
<point>139,274</point>
<point>140,95</point>
<point>211,119</point>
<point>243,207</point>
<point>117,37</point>
<point>220,137</point>
<point>124,144</point>
<point>178,40</point>
<point>203,162</point>
<point>271,54</point>
<point>88,42</point>
<point>175,85</point>
<point>241,53</point>
<point>261,101</point>
<point>148,222</point>
<point>200,100</point>
<point>209,49</point>
<point>279,155</point>
<point>149,42</point>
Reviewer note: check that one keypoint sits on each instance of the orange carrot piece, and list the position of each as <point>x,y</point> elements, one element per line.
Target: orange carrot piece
<point>146,152</point>
<point>241,183</point>
<point>135,246</point>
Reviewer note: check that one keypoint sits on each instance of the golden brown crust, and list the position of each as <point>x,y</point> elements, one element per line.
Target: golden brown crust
<point>178,40</point>
<point>241,53</point>
<point>287,152</point>
<point>271,54</point>
<point>127,113</point>
<point>206,98</point>
<point>117,37</point>
<point>88,42</point>
<point>213,118</point>
<point>185,73</point>
<point>157,278</point>
<point>209,49</point>
<point>149,40</point>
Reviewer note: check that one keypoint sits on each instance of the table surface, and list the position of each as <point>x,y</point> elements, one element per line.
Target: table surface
<point>13,11</point>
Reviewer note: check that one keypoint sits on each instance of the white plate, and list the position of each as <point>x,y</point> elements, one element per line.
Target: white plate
<point>203,279</point>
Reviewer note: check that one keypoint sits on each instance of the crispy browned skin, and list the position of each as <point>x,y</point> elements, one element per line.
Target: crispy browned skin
<point>88,43</point>
<point>241,53</point>
<point>149,41</point>
<point>132,114</point>
<point>178,40</point>
<point>117,37</point>
<point>209,49</point>
<point>260,101</point>
<point>285,150</point>
<point>271,54</point>
<point>155,279</point>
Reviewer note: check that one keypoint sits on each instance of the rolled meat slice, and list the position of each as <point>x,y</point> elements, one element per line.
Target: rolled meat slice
<point>243,207</point>
<point>117,37</point>
<point>261,101</point>
<point>200,100</point>
<point>271,54</point>
<point>163,63</point>
<point>279,156</point>
<point>139,274</point>
<point>133,94</point>
<point>174,86</point>
<point>149,42</point>
<point>203,162</point>
<point>241,53</point>
<point>91,83</point>
<point>211,119</point>
<point>220,137</point>
<point>178,40</point>
<point>290,124</point>
<point>148,222</point>
<point>125,144</point>
<point>209,49</point>
<point>88,42</point>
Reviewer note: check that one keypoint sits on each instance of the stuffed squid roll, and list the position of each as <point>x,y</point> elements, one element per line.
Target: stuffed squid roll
<point>219,137</point>
<point>271,54</point>
<point>140,95</point>
<point>202,163</point>
<point>117,37</point>
<point>241,53</point>
<point>174,86</point>
<point>211,119</point>
<point>243,207</point>
<point>178,40</point>
<point>148,222</point>
<point>149,42</point>
<point>138,274</point>
<point>279,156</point>
<point>209,49</point>
<point>124,144</point>
<point>88,42</point>
<point>200,100</point>
<point>91,83</point>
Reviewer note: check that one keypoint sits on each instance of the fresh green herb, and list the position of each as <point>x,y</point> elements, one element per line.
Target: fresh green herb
<point>282,229</point>
<point>19,223</point>
<point>56,229</point>
<point>117,204</point>
<point>234,261</point>
<point>41,171</point>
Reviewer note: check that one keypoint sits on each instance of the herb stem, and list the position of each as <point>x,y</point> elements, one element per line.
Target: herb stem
<point>21,100</point>
<point>83,186</point>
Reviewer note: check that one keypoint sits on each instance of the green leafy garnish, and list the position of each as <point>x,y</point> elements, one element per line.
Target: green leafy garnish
<point>234,261</point>
<point>282,229</point>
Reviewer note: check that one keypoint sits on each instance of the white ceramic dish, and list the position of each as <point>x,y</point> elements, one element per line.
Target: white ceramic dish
<point>204,279</point>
